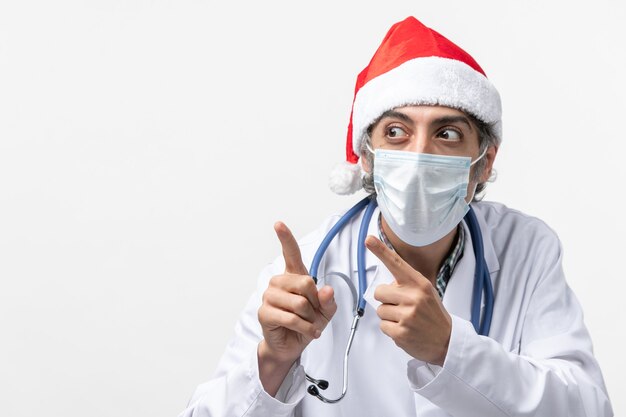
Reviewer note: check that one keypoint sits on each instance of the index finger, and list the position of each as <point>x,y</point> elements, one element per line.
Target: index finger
<point>402,271</point>
<point>291,250</point>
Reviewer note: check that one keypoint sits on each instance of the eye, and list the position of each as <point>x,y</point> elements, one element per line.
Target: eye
<point>451,135</point>
<point>396,132</point>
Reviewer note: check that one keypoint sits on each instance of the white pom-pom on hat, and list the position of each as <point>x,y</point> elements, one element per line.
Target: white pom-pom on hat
<point>345,178</point>
<point>414,65</point>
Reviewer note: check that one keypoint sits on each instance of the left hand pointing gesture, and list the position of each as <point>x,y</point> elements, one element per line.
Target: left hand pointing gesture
<point>411,312</point>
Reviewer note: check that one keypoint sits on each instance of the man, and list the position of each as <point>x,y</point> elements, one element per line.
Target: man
<point>426,126</point>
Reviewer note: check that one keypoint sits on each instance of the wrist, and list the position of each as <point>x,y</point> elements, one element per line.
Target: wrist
<point>273,357</point>
<point>273,368</point>
<point>442,356</point>
<point>444,350</point>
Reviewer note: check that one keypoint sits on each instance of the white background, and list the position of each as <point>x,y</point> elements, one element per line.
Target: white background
<point>147,147</point>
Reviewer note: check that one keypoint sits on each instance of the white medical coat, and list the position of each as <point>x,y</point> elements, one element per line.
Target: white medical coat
<point>537,360</point>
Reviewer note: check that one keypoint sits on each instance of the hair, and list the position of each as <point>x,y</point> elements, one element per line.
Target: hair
<point>486,138</point>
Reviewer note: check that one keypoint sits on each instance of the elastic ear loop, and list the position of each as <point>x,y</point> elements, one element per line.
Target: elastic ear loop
<point>480,157</point>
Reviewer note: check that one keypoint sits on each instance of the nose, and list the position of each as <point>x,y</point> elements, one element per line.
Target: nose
<point>420,142</point>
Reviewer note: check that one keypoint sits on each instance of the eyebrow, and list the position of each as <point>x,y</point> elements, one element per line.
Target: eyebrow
<point>439,121</point>
<point>453,119</point>
<point>393,114</point>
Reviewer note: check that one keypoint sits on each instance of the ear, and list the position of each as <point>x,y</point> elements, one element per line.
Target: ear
<point>364,163</point>
<point>490,156</point>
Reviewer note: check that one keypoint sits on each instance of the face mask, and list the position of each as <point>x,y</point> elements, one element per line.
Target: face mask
<point>421,196</point>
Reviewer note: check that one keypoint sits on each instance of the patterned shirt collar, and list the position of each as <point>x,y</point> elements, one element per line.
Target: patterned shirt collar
<point>446,269</point>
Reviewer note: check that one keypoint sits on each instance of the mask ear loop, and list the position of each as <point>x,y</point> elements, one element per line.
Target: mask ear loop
<point>480,157</point>
<point>476,160</point>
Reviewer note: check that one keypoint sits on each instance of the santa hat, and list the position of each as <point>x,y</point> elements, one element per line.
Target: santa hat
<point>414,65</point>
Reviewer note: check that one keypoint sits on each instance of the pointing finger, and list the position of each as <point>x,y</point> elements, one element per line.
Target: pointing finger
<point>402,271</point>
<point>291,250</point>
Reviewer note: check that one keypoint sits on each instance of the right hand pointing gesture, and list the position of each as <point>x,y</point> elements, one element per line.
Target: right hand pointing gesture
<point>293,313</point>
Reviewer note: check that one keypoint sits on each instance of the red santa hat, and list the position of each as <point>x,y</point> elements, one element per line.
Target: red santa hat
<point>414,65</point>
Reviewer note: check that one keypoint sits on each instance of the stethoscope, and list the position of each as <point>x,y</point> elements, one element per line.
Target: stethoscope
<point>482,283</point>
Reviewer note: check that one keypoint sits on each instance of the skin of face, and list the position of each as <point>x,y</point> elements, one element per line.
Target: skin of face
<point>434,130</point>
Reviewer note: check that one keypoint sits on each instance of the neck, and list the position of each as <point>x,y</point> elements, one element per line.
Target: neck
<point>425,259</point>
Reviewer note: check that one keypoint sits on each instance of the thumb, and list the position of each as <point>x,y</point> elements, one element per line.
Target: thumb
<point>328,306</point>
<point>291,250</point>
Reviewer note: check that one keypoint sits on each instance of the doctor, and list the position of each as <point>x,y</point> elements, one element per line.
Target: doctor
<point>425,127</point>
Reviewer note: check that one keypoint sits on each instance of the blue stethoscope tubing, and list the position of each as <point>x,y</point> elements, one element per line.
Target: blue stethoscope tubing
<point>482,280</point>
<point>370,206</point>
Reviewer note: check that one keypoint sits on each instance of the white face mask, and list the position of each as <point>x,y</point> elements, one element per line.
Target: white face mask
<point>421,196</point>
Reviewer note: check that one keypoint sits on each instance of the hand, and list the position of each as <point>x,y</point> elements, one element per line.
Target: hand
<point>411,312</point>
<point>293,313</point>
